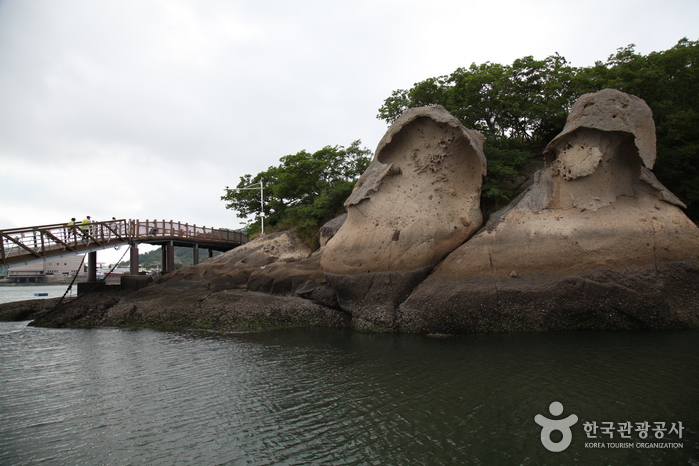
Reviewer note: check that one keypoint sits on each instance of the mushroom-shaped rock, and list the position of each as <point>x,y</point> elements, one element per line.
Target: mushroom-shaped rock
<point>611,110</point>
<point>596,241</point>
<point>418,201</point>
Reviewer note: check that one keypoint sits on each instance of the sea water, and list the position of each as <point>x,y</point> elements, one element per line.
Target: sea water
<point>330,396</point>
<point>11,293</point>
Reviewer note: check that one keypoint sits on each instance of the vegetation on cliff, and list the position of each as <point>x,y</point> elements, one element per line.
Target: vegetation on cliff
<point>304,191</point>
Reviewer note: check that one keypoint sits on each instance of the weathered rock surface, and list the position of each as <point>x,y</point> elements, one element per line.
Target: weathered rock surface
<point>328,231</point>
<point>609,299</point>
<point>185,307</point>
<point>372,298</point>
<point>221,293</point>
<point>611,110</point>
<point>26,310</point>
<point>254,266</point>
<point>418,200</point>
<point>595,242</point>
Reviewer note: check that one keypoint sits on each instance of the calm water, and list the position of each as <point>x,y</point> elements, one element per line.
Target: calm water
<point>11,293</point>
<point>327,396</point>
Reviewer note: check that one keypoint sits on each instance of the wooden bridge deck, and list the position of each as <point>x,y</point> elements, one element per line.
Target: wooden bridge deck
<point>39,242</point>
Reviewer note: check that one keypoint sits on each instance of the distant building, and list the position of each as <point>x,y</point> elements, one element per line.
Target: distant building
<point>62,267</point>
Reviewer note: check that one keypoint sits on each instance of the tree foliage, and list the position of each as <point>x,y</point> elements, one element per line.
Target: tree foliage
<point>525,101</point>
<point>522,106</point>
<point>304,191</point>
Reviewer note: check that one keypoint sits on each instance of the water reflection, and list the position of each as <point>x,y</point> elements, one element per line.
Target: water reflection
<point>330,396</point>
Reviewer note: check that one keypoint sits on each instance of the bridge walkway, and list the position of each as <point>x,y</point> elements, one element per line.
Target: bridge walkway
<point>25,245</point>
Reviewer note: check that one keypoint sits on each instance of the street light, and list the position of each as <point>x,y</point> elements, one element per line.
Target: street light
<point>251,187</point>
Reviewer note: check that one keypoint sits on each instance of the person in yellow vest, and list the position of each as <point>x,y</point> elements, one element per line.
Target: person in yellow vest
<point>71,229</point>
<point>85,226</point>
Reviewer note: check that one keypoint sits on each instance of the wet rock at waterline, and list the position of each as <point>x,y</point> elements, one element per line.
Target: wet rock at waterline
<point>595,242</point>
<point>272,281</point>
<point>26,310</point>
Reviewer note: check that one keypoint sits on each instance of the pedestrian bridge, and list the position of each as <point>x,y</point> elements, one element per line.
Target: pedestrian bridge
<point>25,245</point>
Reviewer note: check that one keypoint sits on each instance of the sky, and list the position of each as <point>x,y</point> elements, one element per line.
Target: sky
<point>148,109</point>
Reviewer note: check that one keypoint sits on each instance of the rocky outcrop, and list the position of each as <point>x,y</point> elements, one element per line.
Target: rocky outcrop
<point>418,200</point>
<point>252,266</point>
<point>251,287</point>
<point>189,307</point>
<point>328,231</point>
<point>27,310</point>
<point>595,242</point>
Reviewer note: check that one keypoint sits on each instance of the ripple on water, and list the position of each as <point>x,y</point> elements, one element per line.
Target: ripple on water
<point>329,396</point>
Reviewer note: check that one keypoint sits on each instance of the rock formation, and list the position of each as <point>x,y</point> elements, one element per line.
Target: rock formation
<point>259,285</point>
<point>595,242</point>
<point>418,200</point>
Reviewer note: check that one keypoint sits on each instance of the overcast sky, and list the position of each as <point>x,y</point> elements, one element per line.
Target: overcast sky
<point>149,108</point>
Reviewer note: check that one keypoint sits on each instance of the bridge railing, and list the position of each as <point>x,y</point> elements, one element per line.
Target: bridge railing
<point>42,240</point>
<point>148,229</point>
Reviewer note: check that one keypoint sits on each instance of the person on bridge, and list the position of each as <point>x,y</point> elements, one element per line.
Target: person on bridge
<point>71,229</point>
<point>113,228</point>
<point>85,226</point>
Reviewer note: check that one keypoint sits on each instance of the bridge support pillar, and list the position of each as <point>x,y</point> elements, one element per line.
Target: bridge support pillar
<point>133,259</point>
<point>195,254</point>
<point>92,267</point>
<point>168,257</point>
<point>211,253</point>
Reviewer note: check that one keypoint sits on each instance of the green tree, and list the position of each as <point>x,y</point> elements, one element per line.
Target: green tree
<point>304,191</point>
<point>526,101</point>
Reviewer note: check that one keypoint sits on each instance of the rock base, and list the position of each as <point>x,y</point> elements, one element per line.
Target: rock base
<point>631,299</point>
<point>372,298</point>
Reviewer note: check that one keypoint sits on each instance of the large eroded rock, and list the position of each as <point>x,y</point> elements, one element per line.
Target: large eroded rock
<point>418,200</point>
<point>595,242</point>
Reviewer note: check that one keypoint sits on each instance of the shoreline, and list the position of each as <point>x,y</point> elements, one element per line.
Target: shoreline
<point>111,280</point>
<point>30,309</point>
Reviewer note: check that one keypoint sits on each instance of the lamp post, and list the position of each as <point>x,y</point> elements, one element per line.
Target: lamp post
<point>252,187</point>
